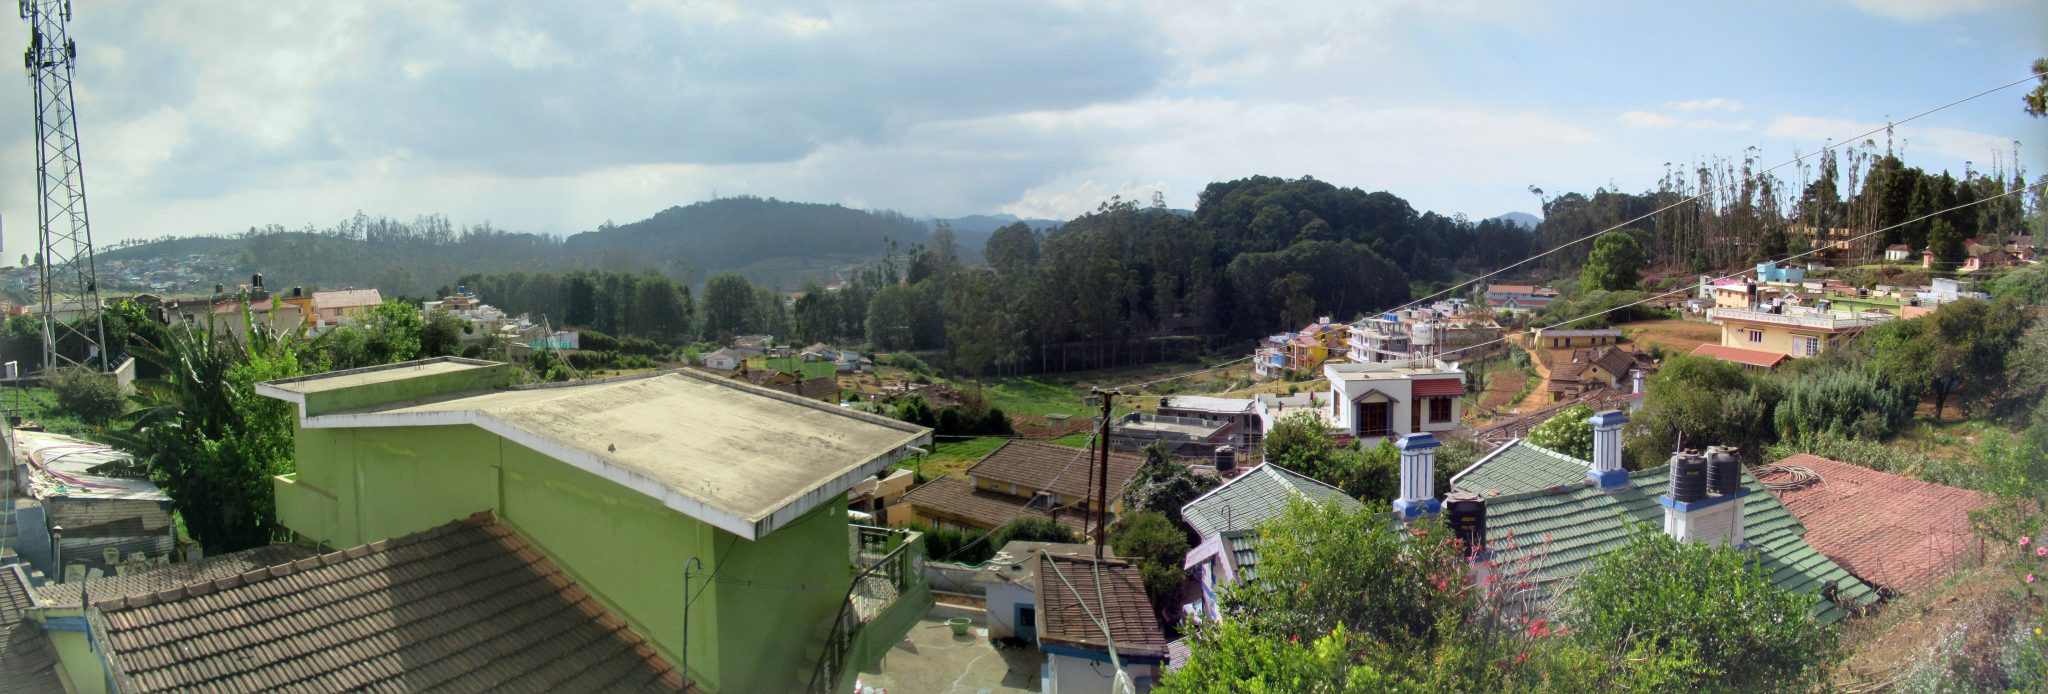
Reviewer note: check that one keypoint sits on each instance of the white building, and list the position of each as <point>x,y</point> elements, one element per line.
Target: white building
<point>1377,401</point>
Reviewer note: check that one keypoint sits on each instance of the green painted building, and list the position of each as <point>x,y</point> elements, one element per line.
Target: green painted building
<point>672,498</point>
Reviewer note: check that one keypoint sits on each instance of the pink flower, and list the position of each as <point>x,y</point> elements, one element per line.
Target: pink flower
<point>2030,578</point>
<point>2024,540</point>
<point>2041,551</point>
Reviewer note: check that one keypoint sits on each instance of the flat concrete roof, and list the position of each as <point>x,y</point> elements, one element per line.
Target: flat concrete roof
<point>1387,370</point>
<point>375,374</point>
<point>743,458</point>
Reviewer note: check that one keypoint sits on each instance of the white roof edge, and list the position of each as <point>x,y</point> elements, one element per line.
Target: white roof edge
<point>788,510</point>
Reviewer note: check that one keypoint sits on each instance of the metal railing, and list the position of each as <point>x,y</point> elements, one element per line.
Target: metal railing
<point>884,557</point>
<point>1820,321</point>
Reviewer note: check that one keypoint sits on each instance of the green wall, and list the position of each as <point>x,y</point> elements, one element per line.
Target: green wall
<point>756,626</point>
<point>81,664</point>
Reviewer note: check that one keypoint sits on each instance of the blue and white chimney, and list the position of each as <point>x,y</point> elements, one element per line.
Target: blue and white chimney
<point>1418,477</point>
<point>1607,473</point>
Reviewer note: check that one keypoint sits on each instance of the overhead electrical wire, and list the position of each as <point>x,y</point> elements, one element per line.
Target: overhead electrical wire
<point>1027,503</point>
<point>1725,186</point>
<point>1694,198</point>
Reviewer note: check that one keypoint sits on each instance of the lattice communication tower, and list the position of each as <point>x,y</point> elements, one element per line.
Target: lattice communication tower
<point>73,332</point>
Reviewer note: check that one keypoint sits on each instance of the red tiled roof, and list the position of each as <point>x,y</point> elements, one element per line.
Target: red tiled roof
<point>1433,387</point>
<point>28,662</point>
<point>1751,357</point>
<point>1511,289</point>
<point>1893,531</point>
<point>1048,467</point>
<point>1069,603</point>
<point>466,606</point>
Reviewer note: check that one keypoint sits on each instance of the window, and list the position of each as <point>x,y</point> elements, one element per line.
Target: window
<point>1809,346</point>
<point>1439,410</point>
<point>1755,335</point>
<point>1375,418</point>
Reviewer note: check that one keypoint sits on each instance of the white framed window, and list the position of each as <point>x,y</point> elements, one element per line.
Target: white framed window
<point>1809,346</point>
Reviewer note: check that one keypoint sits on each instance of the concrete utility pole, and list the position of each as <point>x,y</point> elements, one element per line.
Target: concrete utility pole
<point>1102,479</point>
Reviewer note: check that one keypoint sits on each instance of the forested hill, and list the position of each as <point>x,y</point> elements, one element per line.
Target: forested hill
<point>771,241</point>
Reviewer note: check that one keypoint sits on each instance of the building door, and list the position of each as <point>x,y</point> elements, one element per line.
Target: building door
<point>1027,622</point>
<point>1375,419</point>
<point>1414,415</point>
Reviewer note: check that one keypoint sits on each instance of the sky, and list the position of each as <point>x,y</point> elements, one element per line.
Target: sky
<point>204,118</point>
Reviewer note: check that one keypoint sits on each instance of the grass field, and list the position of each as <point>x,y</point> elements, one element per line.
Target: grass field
<point>953,457</point>
<point>40,405</point>
<point>1034,396</point>
<point>1072,440</point>
<point>808,369</point>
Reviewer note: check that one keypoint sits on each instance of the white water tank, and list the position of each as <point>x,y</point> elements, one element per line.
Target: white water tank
<point>1424,335</point>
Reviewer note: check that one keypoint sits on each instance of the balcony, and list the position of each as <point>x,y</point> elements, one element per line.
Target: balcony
<point>886,597</point>
<point>1798,318</point>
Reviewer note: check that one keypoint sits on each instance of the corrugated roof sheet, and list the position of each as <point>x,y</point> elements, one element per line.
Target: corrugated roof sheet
<point>1252,498</point>
<point>1563,531</point>
<point>1519,466</point>
<point>467,606</point>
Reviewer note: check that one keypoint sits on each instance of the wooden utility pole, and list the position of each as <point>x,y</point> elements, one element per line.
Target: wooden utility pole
<point>1102,466</point>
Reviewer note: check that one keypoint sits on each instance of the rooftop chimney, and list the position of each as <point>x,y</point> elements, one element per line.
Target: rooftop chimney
<point>1693,512</point>
<point>1418,477</point>
<point>1635,381</point>
<point>1607,473</point>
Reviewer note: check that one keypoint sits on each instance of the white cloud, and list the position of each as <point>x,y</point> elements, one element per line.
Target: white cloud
<point>1948,142</point>
<point>1714,104</point>
<point>1918,10</point>
<point>1647,119</point>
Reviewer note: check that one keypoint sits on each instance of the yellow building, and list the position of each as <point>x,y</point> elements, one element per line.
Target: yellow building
<point>1791,331</point>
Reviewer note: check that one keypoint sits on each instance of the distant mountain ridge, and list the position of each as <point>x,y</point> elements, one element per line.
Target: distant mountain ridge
<point>1524,220</point>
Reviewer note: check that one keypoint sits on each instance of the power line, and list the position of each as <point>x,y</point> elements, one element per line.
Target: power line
<point>1639,302</point>
<point>1661,210</point>
<point>1099,513</point>
<point>1722,187</point>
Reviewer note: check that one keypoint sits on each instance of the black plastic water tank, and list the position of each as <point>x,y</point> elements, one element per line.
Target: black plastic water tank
<point>1724,469</point>
<point>1465,512</point>
<point>1688,476</point>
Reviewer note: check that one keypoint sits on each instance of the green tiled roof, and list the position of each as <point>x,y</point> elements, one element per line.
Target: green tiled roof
<point>1258,494</point>
<point>1520,466</point>
<point>1566,528</point>
<point>1244,552</point>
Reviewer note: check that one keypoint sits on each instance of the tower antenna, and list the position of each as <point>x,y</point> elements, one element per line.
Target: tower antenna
<point>68,278</point>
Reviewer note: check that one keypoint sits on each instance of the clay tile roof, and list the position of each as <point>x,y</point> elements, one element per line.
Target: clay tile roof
<point>467,606</point>
<point>1614,360</point>
<point>1068,606</point>
<point>1893,531</point>
<point>1750,357</point>
<point>28,663</point>
<point>1055,468</point>
<point>959,499</point>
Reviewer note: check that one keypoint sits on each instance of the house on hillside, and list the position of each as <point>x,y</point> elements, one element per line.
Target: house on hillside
<point>1979,256</point>
<point>2022,248</point>
<point>1773,272</point>
<point>1314,345</point>
<point>1270,357</point>
<point>1898,253</point>
<point>1587,369</point>
<point>1563,338</point>
<point>1185,436</point>
<point>1377,401</point>
<point>724,359</point>
<point>1272,406</point>
<point>1241,414</point>
<point>1519,297</point>
<point>1019,479</point>
<point>331,307</point>
<point>1795,331</point>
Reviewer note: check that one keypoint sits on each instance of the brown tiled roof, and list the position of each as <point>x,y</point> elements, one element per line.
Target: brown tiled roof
<point>467,606</point>
<point>959,499</point>
<point>1616,361</point>
<point>1068,606</point>
<point>1055,468</point>
<point>179,574</point>
<point>28,663</point>
<point>1893,531</point>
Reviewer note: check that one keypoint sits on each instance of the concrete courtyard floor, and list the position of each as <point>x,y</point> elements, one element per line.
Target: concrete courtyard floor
<point>931,659</point>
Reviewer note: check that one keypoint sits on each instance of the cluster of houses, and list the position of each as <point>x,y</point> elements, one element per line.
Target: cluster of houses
<point>159,275</point>
<point>1977,254</point>
<point>1782,315</point>
<point>1445,327</point>
<point>578,538</point>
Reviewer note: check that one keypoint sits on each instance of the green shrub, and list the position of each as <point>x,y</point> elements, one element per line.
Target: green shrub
<point>1567,432</point>
<point>91,396</point>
